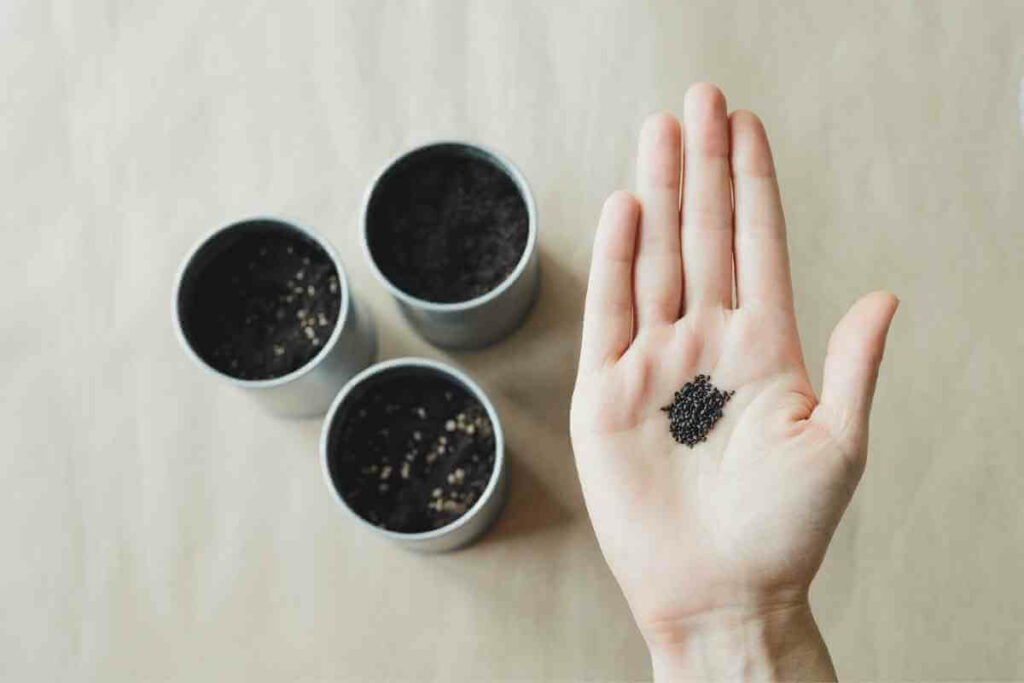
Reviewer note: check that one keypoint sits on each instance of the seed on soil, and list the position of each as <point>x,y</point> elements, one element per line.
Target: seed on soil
<point>449,426</point>
<point>395,427</point>
<point>695,409</point>
<point>248,321</point>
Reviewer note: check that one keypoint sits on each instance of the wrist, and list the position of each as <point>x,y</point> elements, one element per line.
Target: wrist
<point>777,643</point>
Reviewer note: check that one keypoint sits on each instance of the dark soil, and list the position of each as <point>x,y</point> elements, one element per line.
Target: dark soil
<point>413,453</point>
<point>264,306</point>
<point>447,227</point>
<point>695,409</point>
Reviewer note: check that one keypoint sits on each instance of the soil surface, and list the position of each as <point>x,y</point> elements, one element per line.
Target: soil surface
<point>447,227</point>
<point>413,453</point>
<point>265,306</point>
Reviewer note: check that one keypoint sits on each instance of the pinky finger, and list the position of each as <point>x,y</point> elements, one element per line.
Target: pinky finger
<point>608,314</point>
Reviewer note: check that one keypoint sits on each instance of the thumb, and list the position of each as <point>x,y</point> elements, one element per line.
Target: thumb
<point>851,368</point>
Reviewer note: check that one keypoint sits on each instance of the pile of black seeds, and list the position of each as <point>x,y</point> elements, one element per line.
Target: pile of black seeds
<point>264,306</point>
<point>446,226</point>
<point>412,454</point>
<point>695,409</point>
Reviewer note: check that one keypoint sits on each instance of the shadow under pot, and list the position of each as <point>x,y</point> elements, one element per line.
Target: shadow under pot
<point>265,306</point>
<point>450,229</point>
<point>413,449</point>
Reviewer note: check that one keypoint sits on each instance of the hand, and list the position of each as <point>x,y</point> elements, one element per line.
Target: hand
<point>715,547</point>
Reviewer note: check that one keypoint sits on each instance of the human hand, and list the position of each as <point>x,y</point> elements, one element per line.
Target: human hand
<point>715,547</point>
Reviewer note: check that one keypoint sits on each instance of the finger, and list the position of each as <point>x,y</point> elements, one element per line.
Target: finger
<point>851,369</point>
<point>707,199</point>
<point>608,313</point>
<point>762,259</point>
<point>659,274</point>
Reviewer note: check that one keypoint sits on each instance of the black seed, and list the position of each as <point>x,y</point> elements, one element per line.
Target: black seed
<point>695,409</point>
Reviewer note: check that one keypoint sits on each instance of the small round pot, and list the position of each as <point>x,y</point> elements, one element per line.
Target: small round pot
<point>308,390</point>
<point>484,319</point>
<point>475,521</point>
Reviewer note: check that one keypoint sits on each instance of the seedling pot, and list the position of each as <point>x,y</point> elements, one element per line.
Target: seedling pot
<point>342,338</point>
<point>350,464</point>
<point>484,317</point>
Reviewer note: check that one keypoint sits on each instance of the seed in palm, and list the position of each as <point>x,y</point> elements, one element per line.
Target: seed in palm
<point>695,409</point>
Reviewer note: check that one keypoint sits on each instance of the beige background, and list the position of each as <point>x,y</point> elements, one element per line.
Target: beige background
<point>156,525</point>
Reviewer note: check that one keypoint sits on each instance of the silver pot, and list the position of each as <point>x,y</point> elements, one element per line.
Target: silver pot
<point>309,389</point>
<point>478,518</point>
<point>488,317</point>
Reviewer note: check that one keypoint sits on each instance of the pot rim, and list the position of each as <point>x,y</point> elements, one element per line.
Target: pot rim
<point>243,224</point>
<point>504,165</point>
<point>458,377</point>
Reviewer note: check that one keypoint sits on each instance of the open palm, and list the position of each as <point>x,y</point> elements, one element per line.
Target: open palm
<point>741,521</point>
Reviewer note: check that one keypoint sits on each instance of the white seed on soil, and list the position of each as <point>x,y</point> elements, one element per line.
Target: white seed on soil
<point>316,341</point>
<point>309,332</point>
<point>431,457</point>
<point>405,470</point>
<point>311,290</point>
<point>323,320</point>
<point>299,275</point>
<point>470,429</point>
<point>421,413</point>
<point>442,440</point>
<point>436,493</point>
<point>278,350</point>
<point>386,472</point>
<point>449,426</point>
<point>416,436</point>
<point>452,506</point>
<point>301,313</point>
<point>460,475</point>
